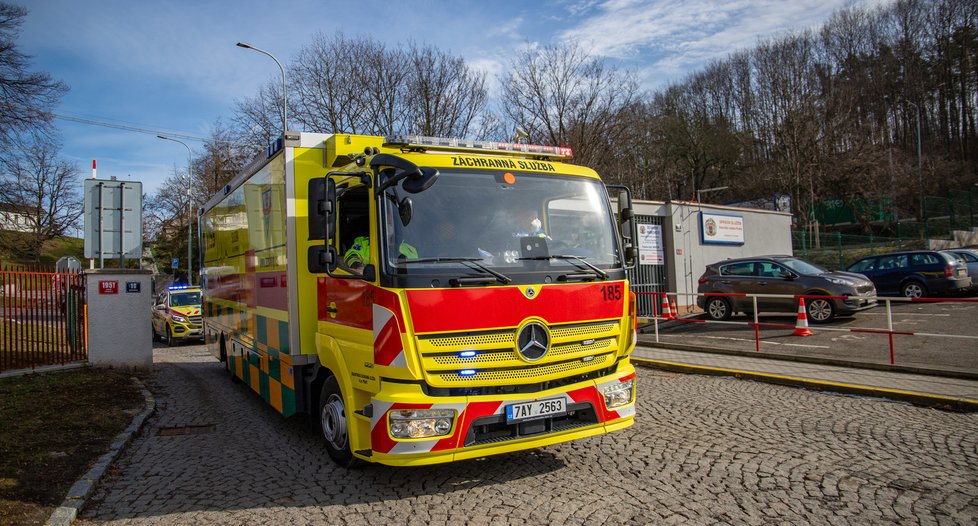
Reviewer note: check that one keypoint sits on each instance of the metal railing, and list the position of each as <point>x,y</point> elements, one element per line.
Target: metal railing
<point>757,325</point>
<point>42,318</point>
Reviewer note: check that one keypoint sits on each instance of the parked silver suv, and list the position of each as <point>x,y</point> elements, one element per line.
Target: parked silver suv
<point>785,275</point>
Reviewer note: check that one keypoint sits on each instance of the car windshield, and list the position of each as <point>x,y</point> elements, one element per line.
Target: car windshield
<point>803,267</point>
<point>185,299</point>
<point>507,222</point>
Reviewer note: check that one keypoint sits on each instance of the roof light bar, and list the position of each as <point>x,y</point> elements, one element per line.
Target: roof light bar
<point>420,142</point>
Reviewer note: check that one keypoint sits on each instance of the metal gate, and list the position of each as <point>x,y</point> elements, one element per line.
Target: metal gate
<point>42,318</point>
<point>648,278</point>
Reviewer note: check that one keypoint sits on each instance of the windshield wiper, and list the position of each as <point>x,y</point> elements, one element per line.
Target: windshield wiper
<point>472,263</point>
<point>591,271</point>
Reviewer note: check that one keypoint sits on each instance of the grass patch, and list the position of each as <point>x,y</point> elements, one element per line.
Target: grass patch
<point>55,426</point>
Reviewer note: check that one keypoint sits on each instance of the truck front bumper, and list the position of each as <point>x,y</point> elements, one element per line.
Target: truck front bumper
<point>481,428</point>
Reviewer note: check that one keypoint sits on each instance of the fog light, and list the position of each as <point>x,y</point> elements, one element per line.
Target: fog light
<point>618,395</point>
<point>421,423</point>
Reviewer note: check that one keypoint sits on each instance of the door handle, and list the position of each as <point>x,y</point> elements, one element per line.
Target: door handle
<point>332,310</point>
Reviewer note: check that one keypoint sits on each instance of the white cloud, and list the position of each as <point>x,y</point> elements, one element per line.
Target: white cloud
<point>681,35</point>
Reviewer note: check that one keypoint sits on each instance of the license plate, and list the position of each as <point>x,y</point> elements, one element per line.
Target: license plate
<point>535,409</point>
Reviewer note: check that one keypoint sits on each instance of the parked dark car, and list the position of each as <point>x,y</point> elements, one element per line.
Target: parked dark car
<point>970,257</point>
<point>782,275</point>
<point>915,274</point>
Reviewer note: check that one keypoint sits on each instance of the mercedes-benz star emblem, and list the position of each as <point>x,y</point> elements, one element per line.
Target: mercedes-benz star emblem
<point>533,342</point>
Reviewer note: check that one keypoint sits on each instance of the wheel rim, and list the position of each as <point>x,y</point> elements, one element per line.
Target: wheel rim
<point>913,290</point>
<point>333,422</point>
<point>820,310</point>
<point>717,309</point>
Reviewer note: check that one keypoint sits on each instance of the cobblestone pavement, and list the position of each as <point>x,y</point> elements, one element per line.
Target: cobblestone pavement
<point>703,450</point>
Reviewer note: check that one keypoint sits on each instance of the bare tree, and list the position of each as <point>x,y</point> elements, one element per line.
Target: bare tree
<point>45,187</point>
<point>444,96</point>
<point>26,98</point>
<point>562,95</point>
<point>256,120</point>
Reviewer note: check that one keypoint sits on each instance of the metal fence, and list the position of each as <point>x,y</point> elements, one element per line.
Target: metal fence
<point>42,318</point>
<point>836,250</point>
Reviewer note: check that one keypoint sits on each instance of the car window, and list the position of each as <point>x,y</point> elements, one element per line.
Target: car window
<point>738,269</point>
<point>892,262</point>
<point>968,256</point>
<point>769,270</point>
<point>923,259</point>
<point>863,265</point>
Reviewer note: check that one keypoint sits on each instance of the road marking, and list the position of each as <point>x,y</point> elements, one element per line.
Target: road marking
<point>902,314</point>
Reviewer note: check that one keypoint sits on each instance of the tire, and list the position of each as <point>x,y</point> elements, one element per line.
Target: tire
<point>820,310</point>
<point>718,309</point>
<point>170,341</point>
<point>913,289</point>
<point>333,424</point>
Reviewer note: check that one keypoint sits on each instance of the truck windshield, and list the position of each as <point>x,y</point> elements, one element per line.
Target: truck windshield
<point>509,223</point>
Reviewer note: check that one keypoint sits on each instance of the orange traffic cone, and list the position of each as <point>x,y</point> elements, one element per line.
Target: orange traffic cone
<point>666,312</point>
<point>675,310</point>
<point>801,327</point>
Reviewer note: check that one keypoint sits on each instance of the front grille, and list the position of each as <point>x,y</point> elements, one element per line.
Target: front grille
<point>494,429</point>
<point>865,289</point>
<point>574,349</point>
<point>196,320</point>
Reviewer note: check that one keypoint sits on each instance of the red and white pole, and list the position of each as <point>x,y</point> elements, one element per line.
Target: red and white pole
<point>91,261</point>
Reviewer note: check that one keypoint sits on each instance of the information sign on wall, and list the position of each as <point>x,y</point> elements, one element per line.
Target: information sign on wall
<point>650,245</point>
<point>721,229</point>
<point>108,287</point>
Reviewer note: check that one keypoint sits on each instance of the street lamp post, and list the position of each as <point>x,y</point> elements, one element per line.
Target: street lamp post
<point>285,105</point>
<point>190,210</point>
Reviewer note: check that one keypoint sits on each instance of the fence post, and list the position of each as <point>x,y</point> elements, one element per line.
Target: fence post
<point>804,245</point>
<point>838,238</point>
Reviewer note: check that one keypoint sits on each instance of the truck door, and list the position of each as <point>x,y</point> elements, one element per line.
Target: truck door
<point>348,297</point>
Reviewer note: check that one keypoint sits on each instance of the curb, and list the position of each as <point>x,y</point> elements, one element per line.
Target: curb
<point>83,487</point>
<point>943,373</point>
<point>962,405</point>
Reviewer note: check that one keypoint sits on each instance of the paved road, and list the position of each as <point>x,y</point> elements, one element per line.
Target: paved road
<point>930,352</point>
<point>704,450</point>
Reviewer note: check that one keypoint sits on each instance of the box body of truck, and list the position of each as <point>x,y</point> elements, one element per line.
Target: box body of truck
<point>457,332</point>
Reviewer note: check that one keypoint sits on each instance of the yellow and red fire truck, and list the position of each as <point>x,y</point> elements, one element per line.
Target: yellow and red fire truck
<point>426,300</point>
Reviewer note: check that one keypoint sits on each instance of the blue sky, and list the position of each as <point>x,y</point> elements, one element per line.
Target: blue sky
<point>172,66</point>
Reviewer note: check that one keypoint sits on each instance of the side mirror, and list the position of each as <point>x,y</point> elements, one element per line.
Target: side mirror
<point>788,275</point>
<point>319,206</point>
<point>626,225</point>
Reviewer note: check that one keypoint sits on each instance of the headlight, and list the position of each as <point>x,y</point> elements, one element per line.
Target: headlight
<point>840,281</point>
<point>618,395</point>
<point>180,319</point>
<point>421,423</point>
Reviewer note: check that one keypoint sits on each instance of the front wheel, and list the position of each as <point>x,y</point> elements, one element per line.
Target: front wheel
<point>914,289</point>
<point>170,340</point>
<point>333,424</point>
<point>718,309</point>
<point>820,310</point>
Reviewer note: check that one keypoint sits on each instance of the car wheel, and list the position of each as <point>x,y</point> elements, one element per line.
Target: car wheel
<point>820,310</point>
<point>914,289</point>
<point>170,340</point>
<point>152,329</point>
<point>718,309</point>
<point>333,424</point>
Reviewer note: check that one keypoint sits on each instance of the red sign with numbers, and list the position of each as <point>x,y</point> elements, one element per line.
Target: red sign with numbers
<point>108,287</point>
